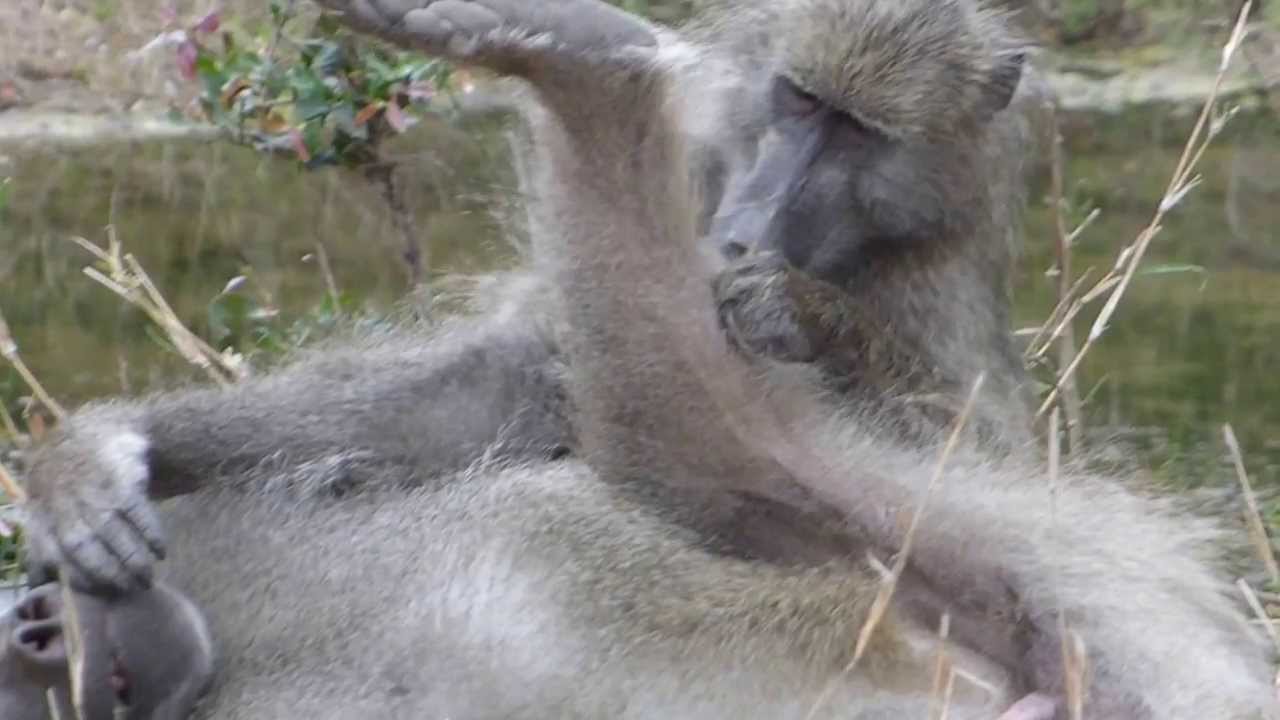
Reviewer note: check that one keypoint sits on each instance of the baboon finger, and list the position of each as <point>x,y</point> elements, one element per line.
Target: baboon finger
<point>93,563</point>
<point>142,517</point>
<point>458,16</point>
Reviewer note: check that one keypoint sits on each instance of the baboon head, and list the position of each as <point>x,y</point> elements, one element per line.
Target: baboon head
<point>876,118</point>
<point>146,653</point>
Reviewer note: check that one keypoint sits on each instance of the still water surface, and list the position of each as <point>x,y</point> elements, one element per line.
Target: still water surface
<point>1195,344</point>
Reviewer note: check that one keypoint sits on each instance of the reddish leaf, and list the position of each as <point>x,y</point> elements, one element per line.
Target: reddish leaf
<point>368,113</point>
<point>299,145</point>
<point>208,24</point>
<point>187,55</point>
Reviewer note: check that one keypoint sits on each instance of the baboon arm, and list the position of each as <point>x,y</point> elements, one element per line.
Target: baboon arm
<point>403,409</point>
<point>417,405</point>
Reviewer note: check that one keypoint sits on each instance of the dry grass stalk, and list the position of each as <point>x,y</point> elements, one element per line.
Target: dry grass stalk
<point>943,675</point>
<point>1066,382</point>
<point>75,647</point>
<point>9,351</point>
<point>1074,662</point>
<point>125,277</point>
<point>880,605</point>
<point>10,427</point>
<point>1182,182</point>
<point>1255,604</point>
<point>1257,528</point>
<point>322,258</point>
<point>9,485</point>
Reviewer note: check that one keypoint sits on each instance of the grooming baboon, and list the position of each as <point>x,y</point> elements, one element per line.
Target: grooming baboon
<point>897,326</point>
<point>147,652</point>
<point>1129,573</point>
<point>543,592</point>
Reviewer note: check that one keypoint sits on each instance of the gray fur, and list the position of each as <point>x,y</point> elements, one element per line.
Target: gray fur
<point>652,369</point>
<point>542,591</point>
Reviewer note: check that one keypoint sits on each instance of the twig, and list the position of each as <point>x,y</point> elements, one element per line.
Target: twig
<point>9,351</point>
<point>382,174</point>
<point>1181,183</point>
<point>1257,529</point>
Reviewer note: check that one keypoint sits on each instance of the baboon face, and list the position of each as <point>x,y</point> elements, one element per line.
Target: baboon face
<point>876,114</point>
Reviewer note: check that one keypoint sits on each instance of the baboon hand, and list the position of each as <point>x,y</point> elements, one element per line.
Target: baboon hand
<point>758,314</point>
<point>507,35</point>
<point>88,513</point>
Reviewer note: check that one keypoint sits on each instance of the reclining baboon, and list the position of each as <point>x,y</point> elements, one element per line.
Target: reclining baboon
<point>588,588</point>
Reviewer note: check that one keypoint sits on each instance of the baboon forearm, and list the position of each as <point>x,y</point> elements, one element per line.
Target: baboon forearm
<point>416,407</point>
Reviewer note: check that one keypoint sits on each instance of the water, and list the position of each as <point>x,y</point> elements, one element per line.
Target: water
<point>1191,348</point>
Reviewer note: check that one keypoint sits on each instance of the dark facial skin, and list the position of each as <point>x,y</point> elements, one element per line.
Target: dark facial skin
<point>833,195</point>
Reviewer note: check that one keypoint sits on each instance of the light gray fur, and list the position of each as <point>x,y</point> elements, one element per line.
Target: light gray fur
<point>651,369</point>
<point>542,591</point>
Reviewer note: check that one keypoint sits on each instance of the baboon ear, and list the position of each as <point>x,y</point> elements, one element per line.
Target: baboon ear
<point>1003,82</point>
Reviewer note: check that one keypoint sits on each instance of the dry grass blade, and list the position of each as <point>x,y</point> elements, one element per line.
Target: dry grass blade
<point>10,427</point>
<point>75,647</point>
<point>125,277</point>
<point>880,606</point>
<point>9,351</point>
<point>9,484</point>
<point>1073,657</point>
<point>1256,605</point>
<point>943,676</point>
<point>1182,182</point>
<point>1065,332</point>
<point>1257,528</point>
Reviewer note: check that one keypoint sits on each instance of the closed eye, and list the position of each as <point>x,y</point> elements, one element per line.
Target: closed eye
<point>791,101</point>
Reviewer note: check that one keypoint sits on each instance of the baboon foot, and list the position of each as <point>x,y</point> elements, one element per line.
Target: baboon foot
<point>757,312</point>
<point>37,641</point>
<point>510,36</point>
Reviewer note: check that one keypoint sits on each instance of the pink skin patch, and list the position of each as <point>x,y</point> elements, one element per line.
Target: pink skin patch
<point>1036,706</point>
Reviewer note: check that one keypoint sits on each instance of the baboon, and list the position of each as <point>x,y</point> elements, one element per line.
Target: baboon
<point>644,378</point>
<point>577,588</point>
<point>432,402</point>
<point>148,652</point>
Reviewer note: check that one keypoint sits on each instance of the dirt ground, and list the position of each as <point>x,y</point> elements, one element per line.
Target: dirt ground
<point>83,56</point>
